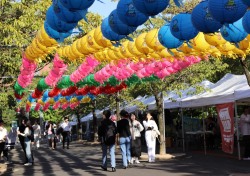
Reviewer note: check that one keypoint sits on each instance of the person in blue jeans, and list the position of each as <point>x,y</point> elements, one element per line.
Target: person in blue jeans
<point>123,129</point>
<point>107,132</point>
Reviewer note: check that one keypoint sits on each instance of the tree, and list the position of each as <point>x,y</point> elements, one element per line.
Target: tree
<point>206,69</point>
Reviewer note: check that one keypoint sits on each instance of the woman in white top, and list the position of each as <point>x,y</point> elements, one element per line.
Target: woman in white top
<point>150,128</point>
<point>27,141</point>
<point>37,134</point>
<point>136,128</point>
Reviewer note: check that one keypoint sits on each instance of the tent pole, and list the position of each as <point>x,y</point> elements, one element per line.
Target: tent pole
<point>237,130</point>
<point>204,132</point>
<point>163,114</point>
<point>183,135</point>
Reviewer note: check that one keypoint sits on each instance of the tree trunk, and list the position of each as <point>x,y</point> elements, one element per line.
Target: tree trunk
<point>117,100</point>
<point>161,121</point>
<point>79,129</point>
<point>95,128</point>
<point>245,68</point>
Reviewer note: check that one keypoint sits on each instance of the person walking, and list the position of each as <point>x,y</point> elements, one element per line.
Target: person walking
<point>150,136</point>
<point>107,133</point>
<point>21,129</point>
<point>37,134</point>
<point>28,138</point>
<point>123,129</point>
<point>245,131</point>
<point>51,135</point>
<point>3,137</point>
<point>66,131</point>
<point>136,129</point>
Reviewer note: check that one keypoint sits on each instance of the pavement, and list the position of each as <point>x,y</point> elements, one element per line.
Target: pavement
<point>84,158</point>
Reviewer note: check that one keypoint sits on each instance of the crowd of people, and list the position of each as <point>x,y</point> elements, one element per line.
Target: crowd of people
<point>30,137</point>
<point>127,133</point>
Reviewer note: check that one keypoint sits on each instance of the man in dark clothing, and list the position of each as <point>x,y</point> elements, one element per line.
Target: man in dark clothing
<point>123,128</point>
<point>21,138</point>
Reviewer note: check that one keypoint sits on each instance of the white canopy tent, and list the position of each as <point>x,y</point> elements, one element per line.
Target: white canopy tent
<point>222,92</point>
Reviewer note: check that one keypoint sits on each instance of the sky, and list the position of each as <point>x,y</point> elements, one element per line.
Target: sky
<point>103,9</point>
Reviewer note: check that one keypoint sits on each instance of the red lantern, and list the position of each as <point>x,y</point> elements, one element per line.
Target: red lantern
<point>55,91</point>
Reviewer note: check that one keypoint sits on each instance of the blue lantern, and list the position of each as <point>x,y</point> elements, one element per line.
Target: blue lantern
<point>202,19</point>
<point>246,22</point>
<point>129,15</point>
<point>151,7</point>
<point>167,39</point>
<point>54,34</point>
<point>67,15</point>
<point>57,24</point>
<point>108,33</point>
<point>77,4</point>
<point>56,98</point>
<point>118,26</point>
<point>234,32</point>
<point>247,2</point>
<point>182,27</point>
<point>45,96</point>
<point>227,11</point>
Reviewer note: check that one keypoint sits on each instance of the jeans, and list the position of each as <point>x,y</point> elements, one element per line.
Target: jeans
<point>27,143</point>
<point>125,149</point>
<point>104,155</point>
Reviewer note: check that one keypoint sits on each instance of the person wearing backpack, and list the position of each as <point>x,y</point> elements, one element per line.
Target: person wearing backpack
<point>123,129</point>
<point>107,133</point>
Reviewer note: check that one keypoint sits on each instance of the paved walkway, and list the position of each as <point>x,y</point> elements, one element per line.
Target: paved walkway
<point>84,159</point>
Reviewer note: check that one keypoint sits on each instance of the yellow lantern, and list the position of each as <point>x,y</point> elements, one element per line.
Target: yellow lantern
<point>199,43</point>
<point>91,40</point>
<point>100,39</point>
<point>133,50</point>
<point>215,39</point>
<point>152,41</point>
<point>141,44</point>
<point>186,49</point>
<point>124,50</point>
<point>47,40</point>
<point>244,44</point>
<point>226,47</point>
<point>75,50</point>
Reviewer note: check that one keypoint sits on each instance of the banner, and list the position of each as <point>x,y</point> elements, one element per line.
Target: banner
<point>226,119</point>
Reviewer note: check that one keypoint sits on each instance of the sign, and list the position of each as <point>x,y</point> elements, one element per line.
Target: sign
<point>226,120</point>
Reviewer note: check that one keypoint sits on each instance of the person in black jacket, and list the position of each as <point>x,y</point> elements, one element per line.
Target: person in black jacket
<point>123,129</point>
<point>21,129</point>
<point>107,134</point>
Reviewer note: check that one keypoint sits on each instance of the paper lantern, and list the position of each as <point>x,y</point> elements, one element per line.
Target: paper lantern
<point>215,39</point>
<point>129,15</point>
<point>246,22</point>
<point>141,44</point>
<point>234,32</point>
<point>152,41</point>
<point>227,11</point>
<point>108,33</point>
<point>167,39</point>
<point>202,19</point>
<point>100,40</point>
<point>247,2</point>
<point>118,26</point>
<point>182,27</point>
<point>151,7</point>
<point>57,24</point>
<point>77,4</point>
<point>54,34</point>
<point>68,15</point>
<point>199,43</point>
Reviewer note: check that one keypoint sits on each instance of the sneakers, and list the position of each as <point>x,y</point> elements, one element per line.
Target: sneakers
<point>28,164</point>
<point>137,162</point>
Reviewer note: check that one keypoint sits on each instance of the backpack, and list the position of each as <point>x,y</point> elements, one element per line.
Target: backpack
<point>109,135</point>
<point>31,136</point>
